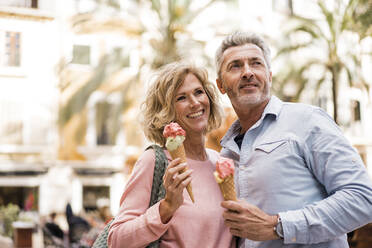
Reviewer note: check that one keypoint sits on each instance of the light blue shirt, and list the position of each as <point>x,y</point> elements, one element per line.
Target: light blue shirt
<point>295,162</point>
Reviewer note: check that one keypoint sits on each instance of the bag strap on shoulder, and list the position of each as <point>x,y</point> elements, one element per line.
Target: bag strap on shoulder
<point>157,193</point>
<point>161,163</point>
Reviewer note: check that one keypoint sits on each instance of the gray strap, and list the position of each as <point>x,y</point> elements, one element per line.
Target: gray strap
<point>157,193</point>
<point>157,190</point>
<point>161,163</point>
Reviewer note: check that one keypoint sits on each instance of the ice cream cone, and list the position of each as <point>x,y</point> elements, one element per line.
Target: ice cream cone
<point>179,152</point>
<point>224,176</point>
<point>227,187</point>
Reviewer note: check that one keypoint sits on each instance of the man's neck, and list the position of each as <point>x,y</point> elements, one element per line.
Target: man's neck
<point>248,116</point>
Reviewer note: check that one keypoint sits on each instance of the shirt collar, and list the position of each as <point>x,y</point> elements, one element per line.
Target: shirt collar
<point>273,107</point>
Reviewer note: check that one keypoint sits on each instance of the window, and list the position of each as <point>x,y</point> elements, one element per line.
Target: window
<point>12,49</point>
<point>81,55</point>
<point>355,110</point>
<point>92,195</point>
<point>25,197</point>
<point>20,3</point>
<point>104,112</point>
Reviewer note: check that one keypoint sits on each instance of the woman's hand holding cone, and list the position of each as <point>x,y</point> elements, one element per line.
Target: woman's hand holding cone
<point>175,180</point>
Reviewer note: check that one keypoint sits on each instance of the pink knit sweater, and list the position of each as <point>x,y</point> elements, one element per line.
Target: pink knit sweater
<point>198,224</point>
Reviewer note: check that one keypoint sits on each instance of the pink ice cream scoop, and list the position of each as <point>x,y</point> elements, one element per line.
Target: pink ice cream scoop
<point>173,129</point>
<point>224,176</point>
<point>225,167</point>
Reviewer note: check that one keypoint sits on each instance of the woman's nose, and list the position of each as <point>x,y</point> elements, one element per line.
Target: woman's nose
<point>194,101</point>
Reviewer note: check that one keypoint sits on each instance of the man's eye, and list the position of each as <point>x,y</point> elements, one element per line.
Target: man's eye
<point>233,67</point>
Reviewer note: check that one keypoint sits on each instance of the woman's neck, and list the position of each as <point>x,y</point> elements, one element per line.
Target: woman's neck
<point>195,148</point>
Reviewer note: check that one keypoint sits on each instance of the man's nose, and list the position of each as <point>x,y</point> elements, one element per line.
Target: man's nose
<point>247,72</point>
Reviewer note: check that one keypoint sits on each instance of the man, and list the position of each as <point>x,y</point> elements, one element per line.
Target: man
<point>300,182</point>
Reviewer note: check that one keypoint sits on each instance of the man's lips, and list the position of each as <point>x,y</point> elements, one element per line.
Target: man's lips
<point>248,86</point>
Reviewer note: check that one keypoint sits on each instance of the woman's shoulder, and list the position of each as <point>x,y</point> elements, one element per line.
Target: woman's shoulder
<point>148,156</point>
<point>145,161</point>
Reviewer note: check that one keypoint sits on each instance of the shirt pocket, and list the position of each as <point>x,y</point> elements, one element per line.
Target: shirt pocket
<point>270,146</point>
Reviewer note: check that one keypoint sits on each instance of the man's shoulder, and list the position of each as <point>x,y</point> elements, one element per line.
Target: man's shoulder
<point>299,105</point>
<point>299,109</point>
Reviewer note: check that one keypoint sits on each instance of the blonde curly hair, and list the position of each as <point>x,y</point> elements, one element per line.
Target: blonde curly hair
<point>158,108</point>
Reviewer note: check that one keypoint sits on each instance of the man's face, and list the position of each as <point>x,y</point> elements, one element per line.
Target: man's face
<point>245,76</point>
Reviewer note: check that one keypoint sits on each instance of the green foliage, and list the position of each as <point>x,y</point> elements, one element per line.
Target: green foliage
<point>8,214</point>
<point>359,18</point>
<point>323,36</point>
<point>172,17</point>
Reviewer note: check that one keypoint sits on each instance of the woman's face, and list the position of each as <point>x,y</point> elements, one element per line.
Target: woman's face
<point>192,106</point>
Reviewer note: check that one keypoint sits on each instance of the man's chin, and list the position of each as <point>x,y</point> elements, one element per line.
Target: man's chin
<point>251,100</point>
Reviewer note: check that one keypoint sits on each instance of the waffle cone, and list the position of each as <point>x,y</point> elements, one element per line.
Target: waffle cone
<point>227,187</point>
<point>180,153</point>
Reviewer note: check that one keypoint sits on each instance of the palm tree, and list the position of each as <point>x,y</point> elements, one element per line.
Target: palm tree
<point>171,19</point>
<point>360,18</point>
<point>323,38</point>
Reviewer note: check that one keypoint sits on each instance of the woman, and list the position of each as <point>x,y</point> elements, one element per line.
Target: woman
<point>180,93</point>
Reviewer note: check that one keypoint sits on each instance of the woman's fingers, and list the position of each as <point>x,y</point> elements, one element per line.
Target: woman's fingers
<point>180,178</point>
<point>175,181</point>
<point>172,171</point>
<point>174,162</point>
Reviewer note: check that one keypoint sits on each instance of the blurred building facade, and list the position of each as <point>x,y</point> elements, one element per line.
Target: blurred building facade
<point>36,37</point>
<point>47,55</point>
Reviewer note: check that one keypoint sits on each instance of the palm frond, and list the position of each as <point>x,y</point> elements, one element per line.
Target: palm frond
<point>347,18</point>
<point>309,24</point>
<point>319,82</point>
<point>192,15</point>
<point>79,99</point>
<point>292,48</point>
<point>330,19</point>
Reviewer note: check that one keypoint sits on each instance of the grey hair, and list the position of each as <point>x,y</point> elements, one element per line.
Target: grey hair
<point>240,38</point>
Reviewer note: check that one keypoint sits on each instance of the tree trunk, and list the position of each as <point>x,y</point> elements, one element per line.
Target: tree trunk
<point>335,77</point>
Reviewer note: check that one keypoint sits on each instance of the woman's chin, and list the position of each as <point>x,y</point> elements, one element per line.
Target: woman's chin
<point>197,130</point>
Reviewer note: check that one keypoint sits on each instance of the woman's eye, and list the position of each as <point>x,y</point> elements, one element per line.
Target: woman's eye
<point>198,92</point>
<point>180,98</point>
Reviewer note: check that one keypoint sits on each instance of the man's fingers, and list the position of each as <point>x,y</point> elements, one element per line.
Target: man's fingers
<point>231,215</point>
<point>236,232</point>
<point>232,206</point>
